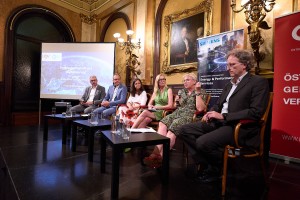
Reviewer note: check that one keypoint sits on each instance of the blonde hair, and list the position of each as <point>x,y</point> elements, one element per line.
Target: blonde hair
<point>192,75</point>
<point>156,82</point>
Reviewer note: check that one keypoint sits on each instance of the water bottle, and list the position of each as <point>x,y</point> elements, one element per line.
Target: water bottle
<point>68,110</point>
<point>119,123</point>
<point>114,124</point>
<point>126,131</point>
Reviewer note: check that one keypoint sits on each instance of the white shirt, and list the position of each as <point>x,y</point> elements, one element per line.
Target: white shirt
<point>92,94</point>
<point>115,93</point>
<point>234,86</point>
<point>141,99</point>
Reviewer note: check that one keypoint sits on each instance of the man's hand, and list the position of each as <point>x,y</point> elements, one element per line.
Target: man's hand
<point>88,103</point>
<point>105,103</point>
<point>212,115</point>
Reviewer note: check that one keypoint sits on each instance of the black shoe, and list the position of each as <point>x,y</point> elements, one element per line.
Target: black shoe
<point>208,176</point>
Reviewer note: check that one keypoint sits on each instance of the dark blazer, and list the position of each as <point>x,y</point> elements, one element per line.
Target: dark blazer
<point>99,94</point>
<point>120,97</point>
<point>248,101</point>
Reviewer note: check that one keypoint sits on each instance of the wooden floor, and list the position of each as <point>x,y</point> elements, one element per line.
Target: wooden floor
<point>32,168</point>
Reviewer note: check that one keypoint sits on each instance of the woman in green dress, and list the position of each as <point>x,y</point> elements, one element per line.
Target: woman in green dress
<point>189,99</point>
<point>162,98</point>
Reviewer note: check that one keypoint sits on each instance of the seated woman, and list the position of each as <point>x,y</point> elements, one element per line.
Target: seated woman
<point>189,99</point>
<point>162,98</point>
<point>137,98</point>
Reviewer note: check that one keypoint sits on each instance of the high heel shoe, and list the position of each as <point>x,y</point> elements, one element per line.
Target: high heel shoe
<point>153,161</point>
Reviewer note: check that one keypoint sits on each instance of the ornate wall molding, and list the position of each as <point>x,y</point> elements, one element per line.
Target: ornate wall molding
<point>90,2</point>
<point>88,19</point>
<point>79,6</point>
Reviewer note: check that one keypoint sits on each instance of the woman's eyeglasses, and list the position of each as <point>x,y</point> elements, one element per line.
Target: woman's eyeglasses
<point>161,79</point>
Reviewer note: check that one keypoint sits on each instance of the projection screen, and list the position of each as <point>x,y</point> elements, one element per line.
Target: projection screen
<point>66,68</point>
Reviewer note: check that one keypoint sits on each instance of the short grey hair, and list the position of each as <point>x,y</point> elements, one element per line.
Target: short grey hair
<point>245,57</point>
<point>192,75</point>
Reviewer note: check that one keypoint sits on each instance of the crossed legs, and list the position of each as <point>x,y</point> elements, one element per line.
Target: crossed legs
<point>143,119</point>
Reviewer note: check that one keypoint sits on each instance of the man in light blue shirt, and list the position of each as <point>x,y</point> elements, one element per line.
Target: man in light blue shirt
<point>115,95</point>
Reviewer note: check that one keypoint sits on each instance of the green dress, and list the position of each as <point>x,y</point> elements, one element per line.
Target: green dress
<point>161,99</point>
<point>184,113</point>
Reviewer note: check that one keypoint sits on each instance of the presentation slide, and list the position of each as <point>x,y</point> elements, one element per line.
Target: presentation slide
<point>66,68</point>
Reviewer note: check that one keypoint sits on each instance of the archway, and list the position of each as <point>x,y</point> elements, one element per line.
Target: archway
<point>26,29</point>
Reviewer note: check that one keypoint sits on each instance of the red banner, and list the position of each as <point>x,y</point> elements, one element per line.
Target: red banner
<point>286,106</point>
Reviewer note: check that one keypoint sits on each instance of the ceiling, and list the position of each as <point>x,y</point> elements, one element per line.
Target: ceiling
<point>86,7</point>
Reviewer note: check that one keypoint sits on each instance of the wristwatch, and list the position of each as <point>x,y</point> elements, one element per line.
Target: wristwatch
<point>198,94</point>
<point>225,115</point>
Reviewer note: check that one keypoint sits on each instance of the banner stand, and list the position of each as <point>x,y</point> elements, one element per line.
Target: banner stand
<point>285,134</point>
<point>286,159</point>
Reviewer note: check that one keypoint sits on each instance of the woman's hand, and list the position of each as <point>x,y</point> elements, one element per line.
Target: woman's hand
<point>136,105</point>
<point>150,106</point>
<point>198,87</point>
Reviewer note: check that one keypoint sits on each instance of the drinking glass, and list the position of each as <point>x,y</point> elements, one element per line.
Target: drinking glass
<point>101,116</point>
<point>53,111</point>
<point>94,119</point>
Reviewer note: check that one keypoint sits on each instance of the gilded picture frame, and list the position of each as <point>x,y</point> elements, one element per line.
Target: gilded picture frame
<point>182,30</point>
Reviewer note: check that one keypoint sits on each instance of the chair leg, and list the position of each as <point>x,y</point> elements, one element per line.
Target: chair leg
<point>262,161</point>
<point>185,154</point>
<point>224,176</point>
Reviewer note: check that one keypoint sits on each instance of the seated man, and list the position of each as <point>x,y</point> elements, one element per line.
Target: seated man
<point>115,95</point>
<point>244,97</point>
<point>92,96</point>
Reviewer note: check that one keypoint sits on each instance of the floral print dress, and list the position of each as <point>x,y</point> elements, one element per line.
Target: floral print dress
<point>184,113</point>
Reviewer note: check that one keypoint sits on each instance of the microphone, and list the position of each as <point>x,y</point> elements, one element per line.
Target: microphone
<point>179,96</point>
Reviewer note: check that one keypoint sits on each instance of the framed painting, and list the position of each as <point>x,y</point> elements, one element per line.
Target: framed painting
<point>182,31</point>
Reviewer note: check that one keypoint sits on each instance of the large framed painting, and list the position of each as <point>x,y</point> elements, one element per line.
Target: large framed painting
<point>182,31</point>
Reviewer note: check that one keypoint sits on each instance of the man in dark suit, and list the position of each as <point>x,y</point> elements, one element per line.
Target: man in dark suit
<point>92,96</point>
<point>115,95</point>
<point>244,97</point>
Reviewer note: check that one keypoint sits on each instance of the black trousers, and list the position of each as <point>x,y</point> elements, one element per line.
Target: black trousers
<point>206,141</point>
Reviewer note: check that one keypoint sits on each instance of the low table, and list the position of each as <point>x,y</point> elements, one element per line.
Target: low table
<point>136,140</point>
<point>91,129</point>
<point>65,122</point>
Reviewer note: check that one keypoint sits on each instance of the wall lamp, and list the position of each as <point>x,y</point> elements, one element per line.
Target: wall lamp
<point>255,13</point>
<point>132,62</point>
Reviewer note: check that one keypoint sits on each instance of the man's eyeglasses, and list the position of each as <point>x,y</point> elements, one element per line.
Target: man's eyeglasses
<point>232,64</point>
<point>93,80</point>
